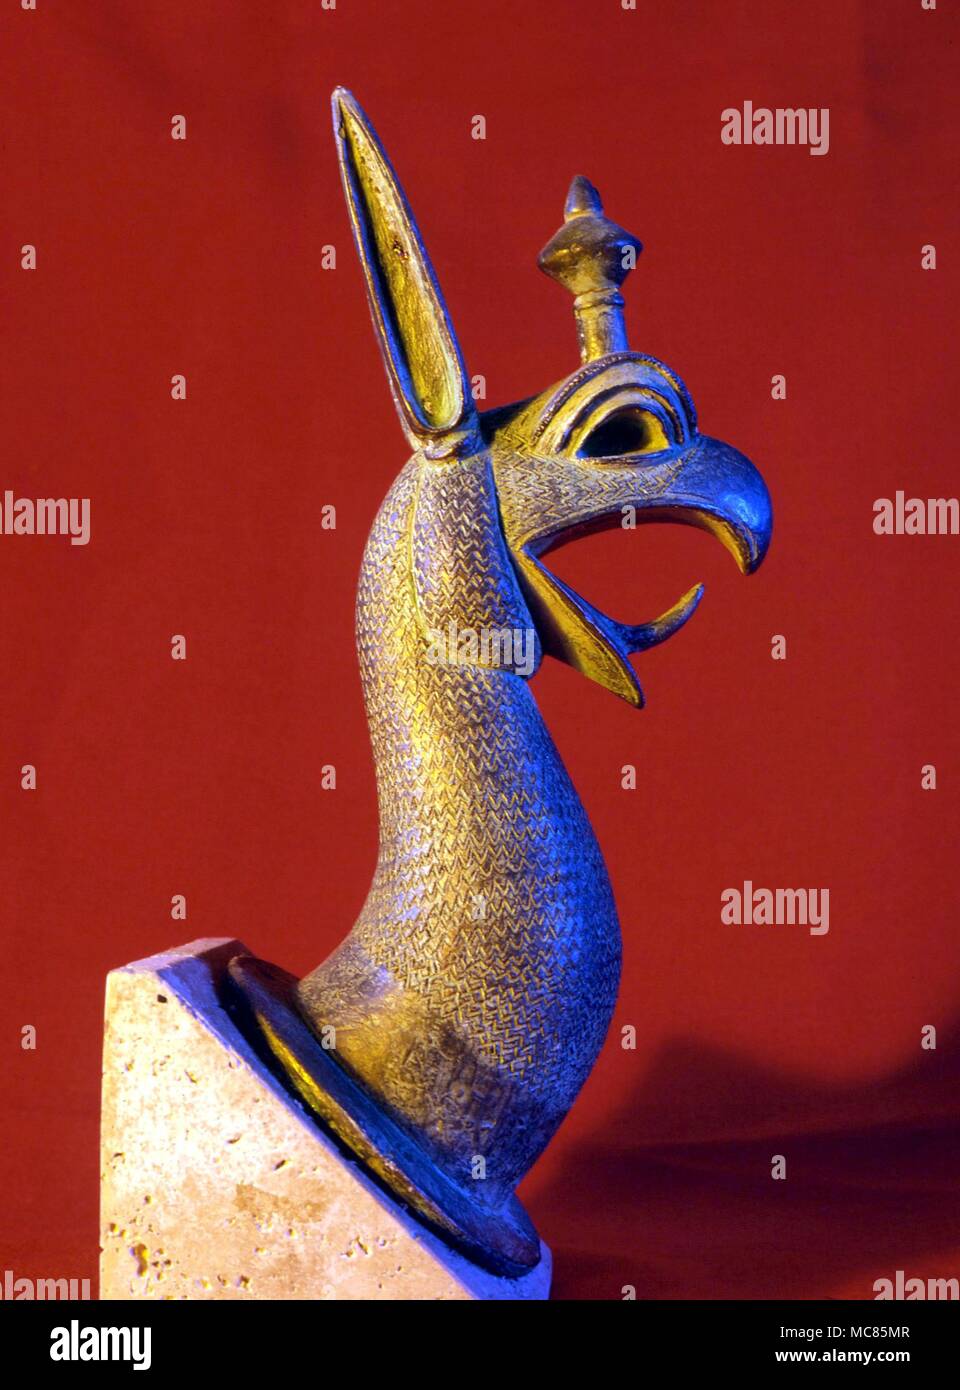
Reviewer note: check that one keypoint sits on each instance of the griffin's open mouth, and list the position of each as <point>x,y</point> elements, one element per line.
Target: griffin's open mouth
<point>573,630</point>
<point>599,646</point>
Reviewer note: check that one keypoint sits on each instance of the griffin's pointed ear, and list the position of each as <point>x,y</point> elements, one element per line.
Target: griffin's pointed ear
<point>420,349</point>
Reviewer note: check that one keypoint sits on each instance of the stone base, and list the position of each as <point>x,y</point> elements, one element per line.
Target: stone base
<point>217,1183</point>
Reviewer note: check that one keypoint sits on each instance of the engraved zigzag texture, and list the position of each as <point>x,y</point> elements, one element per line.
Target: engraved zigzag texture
<point>474,804</point>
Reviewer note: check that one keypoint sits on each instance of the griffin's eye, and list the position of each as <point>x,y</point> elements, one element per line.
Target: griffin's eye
<point>631,431</point>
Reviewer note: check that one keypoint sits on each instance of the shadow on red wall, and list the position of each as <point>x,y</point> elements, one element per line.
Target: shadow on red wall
<point>870,1173</point>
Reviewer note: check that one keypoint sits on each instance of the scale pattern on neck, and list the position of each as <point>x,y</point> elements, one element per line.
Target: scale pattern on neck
<point>476,988</point>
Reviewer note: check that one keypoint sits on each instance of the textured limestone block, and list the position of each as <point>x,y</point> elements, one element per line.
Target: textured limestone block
<point>216,1183</point>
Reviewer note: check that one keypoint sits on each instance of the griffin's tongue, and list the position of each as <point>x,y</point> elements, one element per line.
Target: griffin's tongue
<point>644,635</point>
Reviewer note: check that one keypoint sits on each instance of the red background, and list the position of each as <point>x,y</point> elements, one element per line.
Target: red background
<point>158,777</point>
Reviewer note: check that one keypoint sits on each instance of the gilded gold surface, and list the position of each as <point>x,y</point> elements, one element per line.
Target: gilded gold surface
<point>474,992</point>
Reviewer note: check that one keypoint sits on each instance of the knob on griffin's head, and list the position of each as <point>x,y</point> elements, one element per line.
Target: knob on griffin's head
<point>591,257</point>
<point>469,1002</point>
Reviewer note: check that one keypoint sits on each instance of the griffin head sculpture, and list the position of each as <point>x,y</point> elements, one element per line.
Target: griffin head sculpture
<point>448,1035</point>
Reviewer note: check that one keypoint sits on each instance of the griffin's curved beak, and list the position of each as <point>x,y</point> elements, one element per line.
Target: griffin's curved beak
<point>716,489</point>
<point>721,491</point>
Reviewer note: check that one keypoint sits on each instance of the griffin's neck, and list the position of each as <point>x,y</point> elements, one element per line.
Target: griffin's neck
<point>474,991</point>
<point>445,731</point>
